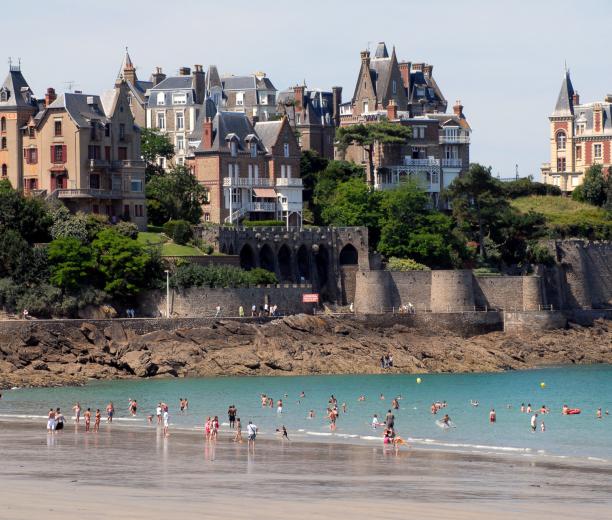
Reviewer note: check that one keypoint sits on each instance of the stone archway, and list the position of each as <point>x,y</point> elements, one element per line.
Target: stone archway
<point>266,258</point>
<point>303,263</point>
<point>284,264</point>
<point>247,258</point>
<point>348,261</point>
<point>349,255</point>
<point>322,270</point>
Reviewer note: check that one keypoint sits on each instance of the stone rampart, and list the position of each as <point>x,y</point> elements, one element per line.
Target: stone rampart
<point>451,290</point>
<point>528,321</point>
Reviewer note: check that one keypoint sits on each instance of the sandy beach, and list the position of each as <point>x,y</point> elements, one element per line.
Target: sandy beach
<point>137,473</point>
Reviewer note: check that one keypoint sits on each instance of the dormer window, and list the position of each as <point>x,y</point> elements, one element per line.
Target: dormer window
<point>161,98</point>
<point>179,99</point>
<point>253,147</point>
<point>4,95</point>
<point>57,128</point>
<point>240,99</point>
<point>31,132</point>
<point>233,148</point>
<point>286,149</point>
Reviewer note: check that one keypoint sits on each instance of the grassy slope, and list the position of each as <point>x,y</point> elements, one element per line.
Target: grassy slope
<point>561,210</point>
<point>167,248</point>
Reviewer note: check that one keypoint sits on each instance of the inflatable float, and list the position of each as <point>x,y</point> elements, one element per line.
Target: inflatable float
<point>573,411</point>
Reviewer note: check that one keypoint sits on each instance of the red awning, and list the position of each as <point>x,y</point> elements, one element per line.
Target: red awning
<point>57,169</point>
<point>265,192</point>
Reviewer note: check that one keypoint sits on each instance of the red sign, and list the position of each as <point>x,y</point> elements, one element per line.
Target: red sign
<point>310,298</point>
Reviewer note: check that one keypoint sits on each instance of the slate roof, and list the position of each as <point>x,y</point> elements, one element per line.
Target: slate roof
<point>238,82</point>
<point>312,103</point>
<point>380,72</point>
<point>226,123</point>
<point>214,80</point>
<point>174,83</point>
<point>381,51</point>
<point>565,106</point>
<point>79,110</point>
<point>584,115</point>
<point>19,92</point>
<point>208,110</point>
<point>268,132</point>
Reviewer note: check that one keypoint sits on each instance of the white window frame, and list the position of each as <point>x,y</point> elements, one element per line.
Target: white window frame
<point>561,140</point>
<point>253,148</point>
<point>239,99</point>
<point>180,116</point>
<point>161,98</point>
<point>597,146</point>
<point>161,117</point>
<point>286,149</point>
<point>179,98</point>
<point>233,145</point>
<point>180,143</point>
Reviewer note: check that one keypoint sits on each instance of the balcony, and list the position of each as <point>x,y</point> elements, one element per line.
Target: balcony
<point>452,163</point>
<point>88,193</point>
<point>247,182</point>
<point>428,177</point>
<point>261,206</point>
<point>289,182</point>
<point>127,163</point>
<point>98,164</point>
<point>454,138</point>
<point>427,163</point>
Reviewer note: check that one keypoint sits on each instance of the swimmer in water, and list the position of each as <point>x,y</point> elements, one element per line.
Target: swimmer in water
<point>542,426</point>
<point>599,413</point>
<point>529,408</point>
<point>279,406</point>
<point>474,403</point>
<point>522,407</point>
<point>446,420</point>
<point>395,404</point>
<point>382,397</point>
<point>311,414</point>
<point>302,394</point>
<point>492,416</point>
<point>375,422</point>
<point>361,398</point>
<point>343,407</point>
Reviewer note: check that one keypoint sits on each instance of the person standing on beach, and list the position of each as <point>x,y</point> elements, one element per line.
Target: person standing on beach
<point>97,421</point>
<point>158,413</point>
<point>252,434</point>
<point>231,415</point>
<point>390,419</point>
<point>51,421</point>
<point>534,422</point>
<point>166,419</point>
<point>110,411</point>
<point>59,420</point>
<point>77,412</point>
<point>238,434</point>
<point>285,436</point>
<point>87,415</point>
<point>279,406</point>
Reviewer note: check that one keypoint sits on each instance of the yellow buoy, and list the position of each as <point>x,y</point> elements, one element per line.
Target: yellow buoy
<point>542,384</point>
<point>419,380</point>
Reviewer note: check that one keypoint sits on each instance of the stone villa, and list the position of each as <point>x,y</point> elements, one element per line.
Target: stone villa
<point>406,93</point>
<point>580,136</point>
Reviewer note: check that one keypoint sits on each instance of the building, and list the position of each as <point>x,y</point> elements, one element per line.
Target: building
<point>406,93</point>
<point>314,115</point>
<point>250,171</point>
<point>82,149</point>
<point>580,136</point>
<point>137,89</point>
<point>173,107</point>
<point>253,94</point>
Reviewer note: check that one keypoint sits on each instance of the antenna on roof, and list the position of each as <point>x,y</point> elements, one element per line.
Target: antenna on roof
<point>70,84</point>
<point>369,43</point>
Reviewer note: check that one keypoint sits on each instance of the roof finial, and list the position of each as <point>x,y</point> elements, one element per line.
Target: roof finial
<point>10,61</point>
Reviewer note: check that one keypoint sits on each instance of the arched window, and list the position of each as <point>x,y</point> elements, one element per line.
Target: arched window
<point>4,95</point>
<point>3,124</point>
<point>161,98</point>
<point>3,144</point>
<point>561,141</point>
<point>4,170</point>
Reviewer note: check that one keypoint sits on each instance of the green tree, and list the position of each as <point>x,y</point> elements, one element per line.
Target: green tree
<point>26,215</point>
<point>594,186</point>
<point>311,163</point>
<point>478,202</point>
<point>154,144</point>
<point>328,180</point>
<point>175,195</point>
<point>71,263</point>
<point>123,263</point>
<point>368,135</point>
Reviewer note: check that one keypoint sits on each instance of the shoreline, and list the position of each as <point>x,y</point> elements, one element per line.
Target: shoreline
<point>140,474</point>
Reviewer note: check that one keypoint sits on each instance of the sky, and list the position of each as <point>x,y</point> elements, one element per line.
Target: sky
<point>503,59</point>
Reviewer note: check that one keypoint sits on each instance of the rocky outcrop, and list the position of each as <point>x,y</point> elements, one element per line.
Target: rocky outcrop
<point>289,346</point>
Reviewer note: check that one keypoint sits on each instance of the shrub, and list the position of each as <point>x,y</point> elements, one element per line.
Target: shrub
<point>127,229</point>
<point>539,254</point>
<point>260,276</point>
<point>486,271</point>
<point>179,231</point>
<point>195,275</point>
<point>264,223</point>
<point>405,264</point>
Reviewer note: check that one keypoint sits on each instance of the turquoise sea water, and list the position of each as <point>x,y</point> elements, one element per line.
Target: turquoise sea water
<point>579,436</point>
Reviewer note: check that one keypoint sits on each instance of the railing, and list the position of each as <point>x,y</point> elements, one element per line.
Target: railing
<point>452,163</point>
<point>236,215</point>
<point>430,161</point>
<point>128,163</point>
<point>261,206</point>
<point>454,138</point>
<point>95,164</point>
<point>90,193</point>
<point>292,181</point>
<point>247,182</point>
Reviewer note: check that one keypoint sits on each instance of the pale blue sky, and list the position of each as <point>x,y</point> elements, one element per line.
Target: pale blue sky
<point>504,60</point>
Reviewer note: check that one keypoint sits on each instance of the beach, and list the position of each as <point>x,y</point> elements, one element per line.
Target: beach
<point>127,473</point>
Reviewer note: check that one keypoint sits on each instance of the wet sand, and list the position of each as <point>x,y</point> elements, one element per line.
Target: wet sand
<point>125,473</point>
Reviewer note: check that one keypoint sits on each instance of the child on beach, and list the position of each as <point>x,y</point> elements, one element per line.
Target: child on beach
<point>87,415</point>
<point>238,434</point>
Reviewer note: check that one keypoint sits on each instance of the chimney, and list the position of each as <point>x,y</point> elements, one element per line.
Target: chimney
<point>207,134</point>
<point>576,98</point>
<point>392,110</point>
<point>458,109</point>
<point>365,57</point>
<point>427,70</point>
<point>199,83</point>
<point>184,71</point>
<point>298,92</point>
<point>336,101</point>
<point>50,96</point>
<point>158,76</point>
<point>404,68</point>
<point>417,67</point>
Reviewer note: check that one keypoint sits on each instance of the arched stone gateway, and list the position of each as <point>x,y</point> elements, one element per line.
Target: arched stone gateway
<point>247,258</point>
<point>303,263</point>
<point>322,269</point>
<point>266,258</point>
<point>284,264</point>
<point>349,255</point>
<point>231,250</point>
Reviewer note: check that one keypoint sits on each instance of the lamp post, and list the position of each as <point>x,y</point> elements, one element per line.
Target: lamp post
<point>167,293</point>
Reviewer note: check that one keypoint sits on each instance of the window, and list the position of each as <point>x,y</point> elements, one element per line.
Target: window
<point>95,209</point>
<point>579,153</point>
<point>92,130</point>
<point>58,153</point>
<point>180,143</point>
<point>107,128</point>
<point>240,99</point>
<point>179,99</point>
<point>597,151</point>
<point>418,132</point>
<point>575,180</point>
<point>236,196</point>
<point>161,120</point>
<point>286,149</point>
<point>233,148</point>
<point>31,155</point>
<point>298,119</point>
<point>365,107</point>
<point>161,98</point>
<point>138,210</point>
<point>94,181</point>
<point>4,94</point>
<point>288,171</point>
<point>3,124</point>
<point>561,164</point>
<point>136,185</point>
<point>180,120</point>
<point>253,149</point>
<point>580,127</point>
<point>561,141</point>
<point>556,180</point>
<point>93,152</point>
<point>129,99</point>
<point>3,144</point>
<point>122,153</point>
<point>4,170</point>
<point>394,86</point>
<point>206,217</point>
<point>107,153</point>
<point>58,128</point>
<point>121,132</point>
<point>283,171</point>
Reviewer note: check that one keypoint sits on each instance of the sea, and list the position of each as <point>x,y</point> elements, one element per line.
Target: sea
<point>575,437</point>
